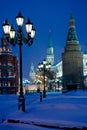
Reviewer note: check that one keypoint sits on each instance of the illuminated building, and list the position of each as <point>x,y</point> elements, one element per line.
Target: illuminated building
<point>59,67</point>
<point>73,66</point>
<point>8,69</point>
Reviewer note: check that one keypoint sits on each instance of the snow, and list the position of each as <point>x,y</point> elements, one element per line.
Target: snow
<point>57,110</point>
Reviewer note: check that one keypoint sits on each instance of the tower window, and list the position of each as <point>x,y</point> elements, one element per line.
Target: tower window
<point>86,63</point>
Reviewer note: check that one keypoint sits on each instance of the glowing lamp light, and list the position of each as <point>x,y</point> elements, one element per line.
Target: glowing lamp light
<point>18,37</point>
<point>44,62</point>
<point>12,33</point>
<point>32,33</point>
<point>28,26</point>
<point>19,20</point>
<point>41,65</point>
<point>49,65</point>
<point>6,27</point>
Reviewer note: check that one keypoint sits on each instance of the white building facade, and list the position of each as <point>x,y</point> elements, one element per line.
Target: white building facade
<point>59,67</point>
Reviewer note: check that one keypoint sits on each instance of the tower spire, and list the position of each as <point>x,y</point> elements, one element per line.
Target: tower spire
<point>49,39</point>
<point>50,50</point>
<point>72,36</point>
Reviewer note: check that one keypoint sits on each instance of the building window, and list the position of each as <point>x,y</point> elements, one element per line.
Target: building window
<point>9,73</point>
<point>4,48</point>
<point>8,84</point>
<point>0,74</point>
<point>4,83</point>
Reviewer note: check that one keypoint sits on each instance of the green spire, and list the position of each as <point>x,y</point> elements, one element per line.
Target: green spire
<point>50,50</point>
<point>72,36</point>
<point>50,40</point>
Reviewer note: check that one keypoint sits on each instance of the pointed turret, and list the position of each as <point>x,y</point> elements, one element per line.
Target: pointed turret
<point>50,50</point>
<point>72,36</point>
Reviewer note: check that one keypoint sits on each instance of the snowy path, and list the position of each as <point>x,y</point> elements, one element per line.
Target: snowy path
<point>56,110</point>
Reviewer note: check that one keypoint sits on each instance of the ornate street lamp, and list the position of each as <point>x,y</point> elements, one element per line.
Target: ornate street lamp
<point>44,67</point>
<point>17,37</point>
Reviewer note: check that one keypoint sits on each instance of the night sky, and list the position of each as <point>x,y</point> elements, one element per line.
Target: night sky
<point>45,15</point>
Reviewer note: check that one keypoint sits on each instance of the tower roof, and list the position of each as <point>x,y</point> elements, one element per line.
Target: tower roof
<point>72,36</point>
<point>5,46</point>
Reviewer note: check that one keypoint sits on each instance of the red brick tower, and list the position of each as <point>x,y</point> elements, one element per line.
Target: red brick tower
<point>72,59</point>
<point>8,69</point>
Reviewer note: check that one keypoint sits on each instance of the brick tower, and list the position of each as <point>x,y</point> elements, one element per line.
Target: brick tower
<point>8,69</point>
<point>72,58</point>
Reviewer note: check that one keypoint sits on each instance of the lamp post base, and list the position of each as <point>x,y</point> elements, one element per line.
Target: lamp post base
<point>21,103</point>
<point>44,94</point>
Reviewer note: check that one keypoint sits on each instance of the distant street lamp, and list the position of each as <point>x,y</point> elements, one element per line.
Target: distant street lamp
<point>44,67</point>
<point>17,37</point>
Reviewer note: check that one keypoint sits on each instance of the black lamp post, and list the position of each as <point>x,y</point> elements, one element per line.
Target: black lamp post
<point>44,66</point>
<point>18,38</point>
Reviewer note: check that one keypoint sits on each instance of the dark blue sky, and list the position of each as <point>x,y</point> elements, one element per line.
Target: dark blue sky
<point>45,15</point>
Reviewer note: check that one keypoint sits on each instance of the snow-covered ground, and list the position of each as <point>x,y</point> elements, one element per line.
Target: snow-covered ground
<point>56,110</point>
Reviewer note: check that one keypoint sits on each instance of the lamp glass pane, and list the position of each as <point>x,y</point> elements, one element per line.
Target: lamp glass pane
<point>12,34</point>
<point>47,66</point>
<point>41,66</point>
<point>28,28</point>
<point>32,33</point>
<point>19,21</point>
<point>6,29</point>
<point>44,62</point>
